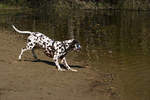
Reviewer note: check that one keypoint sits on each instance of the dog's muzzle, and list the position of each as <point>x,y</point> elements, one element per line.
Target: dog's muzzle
<point>77,47</point>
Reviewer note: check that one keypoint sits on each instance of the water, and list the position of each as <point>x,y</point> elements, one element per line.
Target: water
<point>115,42</point>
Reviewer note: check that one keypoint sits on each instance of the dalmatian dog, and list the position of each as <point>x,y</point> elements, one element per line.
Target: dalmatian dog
<point>54,49</point>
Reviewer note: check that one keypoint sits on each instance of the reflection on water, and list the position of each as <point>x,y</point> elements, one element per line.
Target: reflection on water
<point>112,41</point>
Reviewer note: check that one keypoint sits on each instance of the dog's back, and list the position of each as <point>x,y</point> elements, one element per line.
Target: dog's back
<point>40,40</point>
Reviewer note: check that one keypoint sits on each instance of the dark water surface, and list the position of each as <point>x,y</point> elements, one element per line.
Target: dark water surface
<point>115,42</point>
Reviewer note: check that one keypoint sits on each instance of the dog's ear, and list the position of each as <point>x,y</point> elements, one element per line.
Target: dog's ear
<point>72,44</point>
<point>74,41</point>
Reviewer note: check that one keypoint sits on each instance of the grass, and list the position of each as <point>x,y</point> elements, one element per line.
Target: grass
<point>5,6</point>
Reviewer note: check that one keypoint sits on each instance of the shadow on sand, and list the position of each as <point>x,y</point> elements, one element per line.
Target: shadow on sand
<point>53,64</point>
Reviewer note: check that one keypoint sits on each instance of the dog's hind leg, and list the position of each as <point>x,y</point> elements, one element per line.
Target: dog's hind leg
<point>33,53</point>
<point>22,50</point>
<point>29,46</point>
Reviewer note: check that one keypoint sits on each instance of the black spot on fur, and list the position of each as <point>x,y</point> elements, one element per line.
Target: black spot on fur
<point>28,40</point>
<point>57,45</point>
<point>44,43</point>
<point>34,34</point>
<point>31,44</point>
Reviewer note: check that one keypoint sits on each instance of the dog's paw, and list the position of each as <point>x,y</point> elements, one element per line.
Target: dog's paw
<point>73,70</point>
<point>19,59</point>
<point>61,70</point>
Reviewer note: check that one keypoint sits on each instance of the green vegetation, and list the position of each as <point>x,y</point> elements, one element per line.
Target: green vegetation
<point>5,6</point>
<point>78,4</point>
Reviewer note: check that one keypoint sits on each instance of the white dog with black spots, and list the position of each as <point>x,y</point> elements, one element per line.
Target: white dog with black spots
<point>55,49</point>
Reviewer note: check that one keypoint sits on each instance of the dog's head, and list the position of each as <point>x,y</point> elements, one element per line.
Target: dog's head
<point>75,45</point>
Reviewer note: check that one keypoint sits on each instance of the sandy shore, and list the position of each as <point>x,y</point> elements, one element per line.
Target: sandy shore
<point>40,80</point>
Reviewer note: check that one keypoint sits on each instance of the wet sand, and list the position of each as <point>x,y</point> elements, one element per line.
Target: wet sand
<point>40,80</point>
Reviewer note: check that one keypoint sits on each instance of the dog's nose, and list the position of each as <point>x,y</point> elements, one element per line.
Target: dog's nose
<point>79,47</point>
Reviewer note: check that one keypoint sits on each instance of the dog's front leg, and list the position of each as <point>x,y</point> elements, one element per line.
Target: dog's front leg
<point>57,64</point>
<point>67,66</point>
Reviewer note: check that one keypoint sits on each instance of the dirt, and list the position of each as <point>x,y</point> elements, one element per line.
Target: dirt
<point>40,80</point>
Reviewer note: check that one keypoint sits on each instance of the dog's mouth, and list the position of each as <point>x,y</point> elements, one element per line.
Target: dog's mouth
<point>77,50</point>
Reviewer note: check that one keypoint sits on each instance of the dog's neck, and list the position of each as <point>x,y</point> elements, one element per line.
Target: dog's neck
<point>68,44</point>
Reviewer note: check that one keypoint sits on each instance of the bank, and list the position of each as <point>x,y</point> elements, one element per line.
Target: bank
<point>139,5</point>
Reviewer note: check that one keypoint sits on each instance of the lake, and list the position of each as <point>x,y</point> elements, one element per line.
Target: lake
<point>116,42</point>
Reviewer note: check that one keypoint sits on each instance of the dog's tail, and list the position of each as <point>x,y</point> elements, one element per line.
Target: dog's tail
<point>25,32</point>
